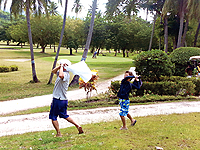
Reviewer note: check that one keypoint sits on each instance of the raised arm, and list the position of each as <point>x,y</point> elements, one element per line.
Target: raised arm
<point>55,69</point>
<point>136,84</point>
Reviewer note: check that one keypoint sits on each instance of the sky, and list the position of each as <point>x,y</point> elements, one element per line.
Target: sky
<point>85,6</point>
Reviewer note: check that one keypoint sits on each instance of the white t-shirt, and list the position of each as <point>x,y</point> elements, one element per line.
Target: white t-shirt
<point>61,86</point>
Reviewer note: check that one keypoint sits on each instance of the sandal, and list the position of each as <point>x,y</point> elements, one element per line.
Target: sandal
<point>134,123</point>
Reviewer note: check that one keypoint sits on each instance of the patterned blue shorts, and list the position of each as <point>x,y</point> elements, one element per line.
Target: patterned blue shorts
<point>124,103</point>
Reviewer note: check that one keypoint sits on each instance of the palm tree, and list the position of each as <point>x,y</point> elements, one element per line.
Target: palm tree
<point>61,37</point>
<point>152,33</point>
<point>16,8</point>
<point>52,9</point>
<point>77,7</point>
<point>89,37</point>
<point>87,45</point>
<point>194,7</point>
<point>180,8</point>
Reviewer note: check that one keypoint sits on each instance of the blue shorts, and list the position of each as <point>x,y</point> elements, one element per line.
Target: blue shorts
<point>124,103</point>
<point>58,108</point>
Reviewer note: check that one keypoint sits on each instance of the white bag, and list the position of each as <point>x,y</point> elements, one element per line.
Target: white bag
<point>80,69</point>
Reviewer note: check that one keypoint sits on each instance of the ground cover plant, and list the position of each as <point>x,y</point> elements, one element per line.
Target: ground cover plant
<point>16,85</point>
<point>175,131</point>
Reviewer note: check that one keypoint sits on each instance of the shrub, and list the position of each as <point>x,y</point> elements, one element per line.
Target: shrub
<point>4,69</point>
<point>115,85</point>
<point>168,86</point>
<point>8,69</point>
<point>14,68</point>
<point>153,64</point>
<point>180,56</point>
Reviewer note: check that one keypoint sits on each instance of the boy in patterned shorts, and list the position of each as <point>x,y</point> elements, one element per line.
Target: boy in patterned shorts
<point>123,94</point>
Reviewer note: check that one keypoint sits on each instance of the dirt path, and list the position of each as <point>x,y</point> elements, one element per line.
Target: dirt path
<point>40,122</point>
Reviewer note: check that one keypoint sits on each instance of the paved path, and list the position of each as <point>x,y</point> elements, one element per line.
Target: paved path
<point>45,100</point>
<point>40,122</point>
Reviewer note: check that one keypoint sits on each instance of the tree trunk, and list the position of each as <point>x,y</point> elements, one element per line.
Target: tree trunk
<point>70,49</point>
<point>181,25</point>
<point>166,34</point>
<point>185,32</point>
<point>43,49</point>
<point>127,53</point>
<point>61,37</point>
<point>54,48</point>
<point>89,37</point>
<point>196,35</point>
<point>35,79</point>
<point>123,52</point>
<point>152,33</point>
<point>115,52</point>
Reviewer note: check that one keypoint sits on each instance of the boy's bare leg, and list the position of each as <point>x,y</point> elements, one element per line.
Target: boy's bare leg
<point>132,120</point>
<point>124,123</point>
<point>69,119</point>
<point>56,126</point>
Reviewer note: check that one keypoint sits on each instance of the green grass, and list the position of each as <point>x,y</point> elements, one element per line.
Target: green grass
<point>17,85</point>
<point>176,131</point>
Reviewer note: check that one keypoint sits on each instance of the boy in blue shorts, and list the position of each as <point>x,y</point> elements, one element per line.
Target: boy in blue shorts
<point>123,94</point>
<point>60,102</point>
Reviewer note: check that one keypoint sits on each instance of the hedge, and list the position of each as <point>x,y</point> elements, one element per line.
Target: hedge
<point>8,69</point>
<point>167,86</point>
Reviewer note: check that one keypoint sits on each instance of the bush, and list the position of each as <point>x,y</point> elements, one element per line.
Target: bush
<point>14,68</point>
<point>167,86</point>
<point>115,85</point>
<point>180,56</point>
<point>153,64</point>
<point>4,69</point>
<point>8,69</point>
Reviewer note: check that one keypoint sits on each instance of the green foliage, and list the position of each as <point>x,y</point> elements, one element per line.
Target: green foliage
<point>73,35</point>
<point>13,68</point>
<point>167,86</point>
<point>4,69</point>
<point>46,30</point>
<point>8,69</point>
<point>153,64</point>
<point>19,32</point>
<point>115,85</point>
<point>180,56</point>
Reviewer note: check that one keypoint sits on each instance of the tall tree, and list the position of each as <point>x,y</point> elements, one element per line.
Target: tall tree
<point>152,33</point>
<point>36,6</point>
<point>89,37</point>
<point>179,8</point>
<point>87,45</point>
<point>194,13</point>
<point>60,43</point>
<point>52,9</point>
<point>77,7</point>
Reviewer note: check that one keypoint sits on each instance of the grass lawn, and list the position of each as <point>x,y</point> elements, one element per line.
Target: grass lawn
<point>16,85</point>
<point>176,131</point>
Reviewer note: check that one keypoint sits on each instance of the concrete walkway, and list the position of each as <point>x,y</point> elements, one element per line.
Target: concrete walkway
<point>45,100</point>
<point>39,121</point>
